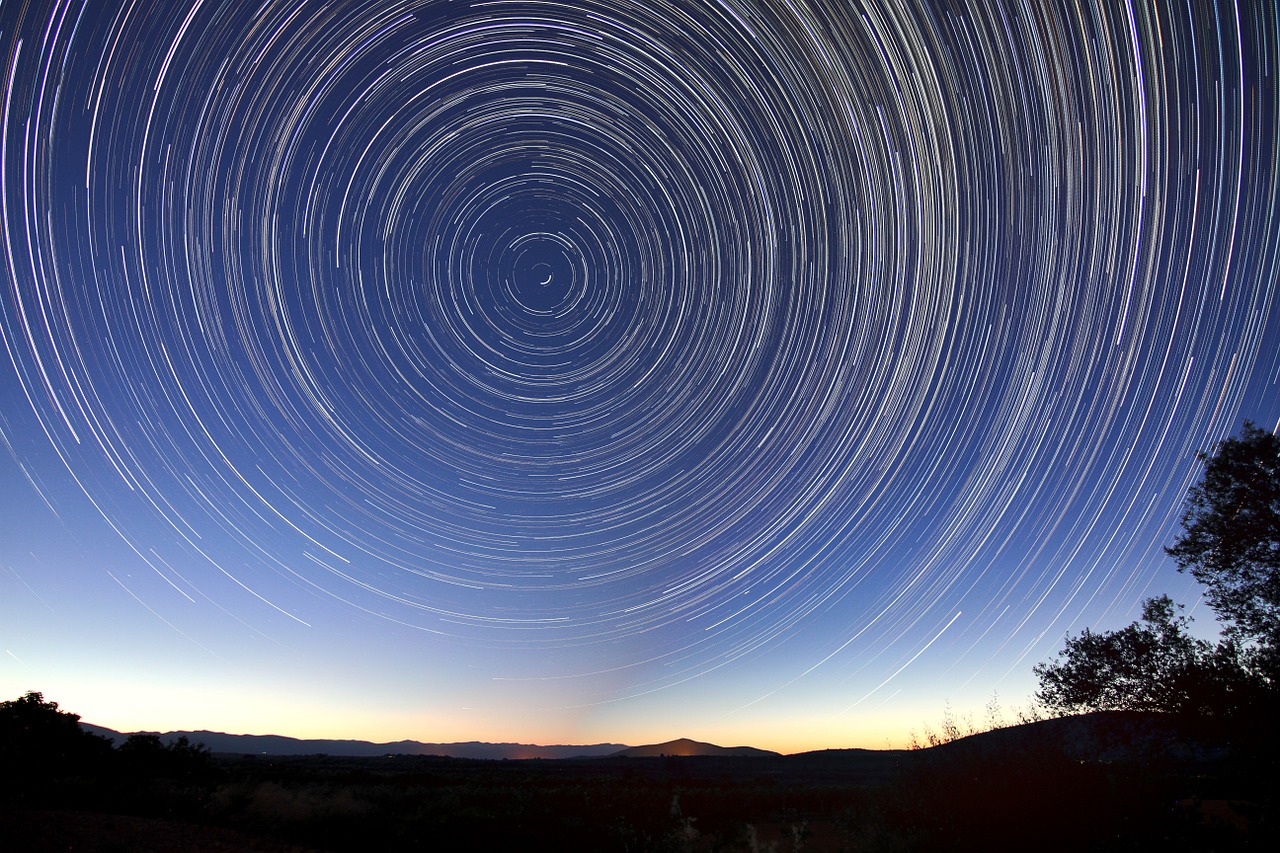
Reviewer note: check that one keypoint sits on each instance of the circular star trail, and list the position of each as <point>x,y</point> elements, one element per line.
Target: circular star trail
<point>670,328</point>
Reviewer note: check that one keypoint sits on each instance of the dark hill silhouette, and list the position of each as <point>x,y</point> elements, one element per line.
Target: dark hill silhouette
<point>685,746</point>
<point>1097,736</point>
<point>858,766</point>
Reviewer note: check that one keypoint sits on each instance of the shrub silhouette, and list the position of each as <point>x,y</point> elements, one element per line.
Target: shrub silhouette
<point>41,745</point>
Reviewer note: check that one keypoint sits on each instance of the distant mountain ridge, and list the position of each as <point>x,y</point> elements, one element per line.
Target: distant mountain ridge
<point>281,745</point>
<point>684,746</point>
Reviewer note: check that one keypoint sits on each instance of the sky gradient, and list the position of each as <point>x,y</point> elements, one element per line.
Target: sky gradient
<point>758,372</point>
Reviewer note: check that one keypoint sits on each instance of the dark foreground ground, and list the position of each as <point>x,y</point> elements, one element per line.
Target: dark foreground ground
<point>1111,782</point>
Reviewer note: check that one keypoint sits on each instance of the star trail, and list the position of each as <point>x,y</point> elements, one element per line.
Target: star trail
<point>616,364</point>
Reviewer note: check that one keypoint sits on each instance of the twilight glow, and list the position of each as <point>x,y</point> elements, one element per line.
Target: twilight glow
<point>761,371</point>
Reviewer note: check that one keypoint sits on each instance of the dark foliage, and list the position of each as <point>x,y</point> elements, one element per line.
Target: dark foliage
<point>1150,665</point>
<point>42,747</point>
<point>1231,543</point>
<point>1230,538</point>
<point>147,755</point>
<point>49,760</point>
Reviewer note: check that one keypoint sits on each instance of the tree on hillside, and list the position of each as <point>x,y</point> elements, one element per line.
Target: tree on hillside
<point>1230,542</point>
<point>38,742</point>
<point>31,726</point>
<point>1230,539</point>
<point>1153,664</point>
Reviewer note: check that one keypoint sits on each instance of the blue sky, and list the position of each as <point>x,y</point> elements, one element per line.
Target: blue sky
<point>562,372</point>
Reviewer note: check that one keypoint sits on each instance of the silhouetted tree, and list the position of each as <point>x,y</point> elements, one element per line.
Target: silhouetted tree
<point>1150,665</point>
<point>40,744</point>
<point>1230,542</point>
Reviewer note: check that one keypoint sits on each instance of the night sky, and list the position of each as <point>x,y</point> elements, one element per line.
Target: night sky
<point>758,371</point>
